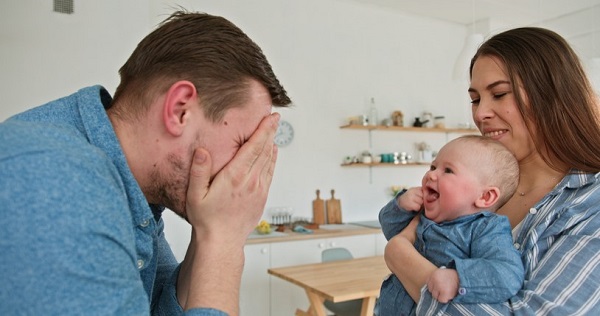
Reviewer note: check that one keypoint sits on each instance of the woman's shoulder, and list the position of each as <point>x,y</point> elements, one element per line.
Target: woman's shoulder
<point>573,206</point>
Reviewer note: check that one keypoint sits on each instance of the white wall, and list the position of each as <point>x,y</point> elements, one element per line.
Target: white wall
<point>45,55</point>
<point>331,56</point>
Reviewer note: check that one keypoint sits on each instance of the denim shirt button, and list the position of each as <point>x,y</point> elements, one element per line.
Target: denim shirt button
<point>532,211</point>
<point>145,223</point>
<point>462,291</point>
<point>517,245</point>
<point>140,264</point>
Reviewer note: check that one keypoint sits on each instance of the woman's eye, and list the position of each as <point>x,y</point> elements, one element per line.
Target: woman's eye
<point>499,95</point>
<point>474,101</point>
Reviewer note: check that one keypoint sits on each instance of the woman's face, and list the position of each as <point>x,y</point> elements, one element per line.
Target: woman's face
<point>494,107</point>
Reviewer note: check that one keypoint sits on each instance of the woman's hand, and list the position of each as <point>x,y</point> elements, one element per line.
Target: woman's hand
<point>443,284</point>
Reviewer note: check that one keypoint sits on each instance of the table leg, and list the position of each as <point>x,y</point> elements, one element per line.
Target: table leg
<point>367,306</point>
<point>316,305</point>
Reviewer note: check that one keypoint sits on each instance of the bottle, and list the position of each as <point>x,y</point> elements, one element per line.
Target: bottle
<point>373,113</point>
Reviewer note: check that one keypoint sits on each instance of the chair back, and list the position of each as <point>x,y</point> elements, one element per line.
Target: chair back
<point>335,254</point>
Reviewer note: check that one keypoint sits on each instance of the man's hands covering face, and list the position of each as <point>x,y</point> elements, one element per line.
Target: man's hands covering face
<point>230,206</point>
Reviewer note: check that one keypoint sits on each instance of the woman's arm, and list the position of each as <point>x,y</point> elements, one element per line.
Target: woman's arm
<point>409,266</point>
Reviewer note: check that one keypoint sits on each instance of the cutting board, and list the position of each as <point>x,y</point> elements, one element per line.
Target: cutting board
<point>334,210</point>
<point>318,210</point>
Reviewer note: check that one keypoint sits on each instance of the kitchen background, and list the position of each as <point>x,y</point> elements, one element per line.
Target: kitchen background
<point>332,56</point>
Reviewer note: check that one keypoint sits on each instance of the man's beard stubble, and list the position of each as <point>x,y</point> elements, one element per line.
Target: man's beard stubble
<point>170,190</point>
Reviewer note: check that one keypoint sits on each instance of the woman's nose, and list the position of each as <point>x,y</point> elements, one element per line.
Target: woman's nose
<point>482,112</point>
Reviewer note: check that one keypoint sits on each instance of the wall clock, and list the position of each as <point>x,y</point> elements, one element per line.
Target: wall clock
<point>285,134</point>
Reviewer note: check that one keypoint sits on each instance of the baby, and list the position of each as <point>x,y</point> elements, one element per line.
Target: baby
<point>471,177</point>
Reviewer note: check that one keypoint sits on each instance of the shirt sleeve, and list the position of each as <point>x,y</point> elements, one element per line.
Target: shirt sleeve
<point>168,304</point>
<point>494,272</point>
<point>393,219</point>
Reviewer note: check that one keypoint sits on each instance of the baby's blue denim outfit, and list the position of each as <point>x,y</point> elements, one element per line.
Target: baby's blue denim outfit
<point>478,246</point>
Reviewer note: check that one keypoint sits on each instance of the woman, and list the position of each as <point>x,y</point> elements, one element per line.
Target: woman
<point>529,91</point>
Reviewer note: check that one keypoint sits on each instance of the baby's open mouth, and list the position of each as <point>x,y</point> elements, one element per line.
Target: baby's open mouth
<point>431,195</point>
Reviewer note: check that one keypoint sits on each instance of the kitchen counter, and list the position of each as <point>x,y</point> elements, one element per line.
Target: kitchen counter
<point>324,231</point>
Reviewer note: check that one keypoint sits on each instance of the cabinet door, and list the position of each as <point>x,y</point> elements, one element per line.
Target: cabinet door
<point>255,288</point>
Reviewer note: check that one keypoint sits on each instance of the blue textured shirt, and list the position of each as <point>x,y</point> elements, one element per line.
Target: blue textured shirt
<point>77,235</point>
<point>478,246</point>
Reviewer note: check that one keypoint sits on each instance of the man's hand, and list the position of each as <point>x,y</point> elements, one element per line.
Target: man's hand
<point>443,284</point>
<point>233,203</point>
<point>222,214</point>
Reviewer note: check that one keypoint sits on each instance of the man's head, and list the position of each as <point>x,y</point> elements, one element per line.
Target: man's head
<point>197,81</point>
<point>469,174</point>
<point>209,51</point>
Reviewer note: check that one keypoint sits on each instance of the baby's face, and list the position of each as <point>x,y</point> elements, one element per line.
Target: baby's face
<point>452,184</point>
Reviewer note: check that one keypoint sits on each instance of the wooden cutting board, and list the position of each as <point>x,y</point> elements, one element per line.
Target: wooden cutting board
<point>318,210</point>
<point>334,210</point>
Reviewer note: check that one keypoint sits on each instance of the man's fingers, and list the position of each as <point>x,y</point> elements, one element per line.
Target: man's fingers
<point>259,148</point>
<point>199,176</point>
<point>267,175</point>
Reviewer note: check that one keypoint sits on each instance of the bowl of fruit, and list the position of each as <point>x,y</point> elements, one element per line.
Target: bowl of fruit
<point>263,228</point>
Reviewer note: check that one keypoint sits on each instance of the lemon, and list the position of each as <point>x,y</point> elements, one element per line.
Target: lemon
<point>263,228</point>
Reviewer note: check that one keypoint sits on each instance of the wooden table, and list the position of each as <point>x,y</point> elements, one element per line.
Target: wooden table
<point>337,281</point>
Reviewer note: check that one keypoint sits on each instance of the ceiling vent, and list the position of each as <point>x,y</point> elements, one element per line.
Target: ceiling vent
<point>63,6</point>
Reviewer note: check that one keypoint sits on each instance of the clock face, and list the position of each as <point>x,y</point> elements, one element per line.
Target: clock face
<point>285,134</point>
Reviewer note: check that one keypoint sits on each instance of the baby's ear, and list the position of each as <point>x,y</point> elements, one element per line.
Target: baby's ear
<point>488,198</point>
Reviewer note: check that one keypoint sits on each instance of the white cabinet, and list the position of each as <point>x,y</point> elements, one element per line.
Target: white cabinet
<point>287,297</point>
<point>255,289</point>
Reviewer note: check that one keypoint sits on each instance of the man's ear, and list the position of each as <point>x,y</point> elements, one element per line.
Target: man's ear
<point>488,198</point>
<point>180,97</point>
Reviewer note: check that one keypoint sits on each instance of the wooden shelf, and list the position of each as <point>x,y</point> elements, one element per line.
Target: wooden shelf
<point>384,164</point>
<point>410,129</point>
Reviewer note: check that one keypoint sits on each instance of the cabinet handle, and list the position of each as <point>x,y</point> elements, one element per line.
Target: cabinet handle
<point>264,250</point>
<point>321,245</point>
<point>332,244</point>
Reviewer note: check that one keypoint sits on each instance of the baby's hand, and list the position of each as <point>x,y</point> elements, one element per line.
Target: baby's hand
<point>443,284</point>
<point>411,200</point>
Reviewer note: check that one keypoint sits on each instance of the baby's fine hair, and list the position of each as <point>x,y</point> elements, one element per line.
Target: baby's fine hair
<point>499,166</point>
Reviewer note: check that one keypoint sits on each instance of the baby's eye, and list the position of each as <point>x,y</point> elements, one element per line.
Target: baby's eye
<point>431,168</point>
<point>448,170</point>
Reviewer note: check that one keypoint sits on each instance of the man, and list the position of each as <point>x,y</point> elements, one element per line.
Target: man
<point>84,180</point>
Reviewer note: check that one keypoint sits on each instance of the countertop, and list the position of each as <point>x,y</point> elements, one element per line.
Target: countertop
<point>324,231</point>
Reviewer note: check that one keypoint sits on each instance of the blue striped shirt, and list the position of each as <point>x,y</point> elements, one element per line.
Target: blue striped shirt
<point>559,242</point>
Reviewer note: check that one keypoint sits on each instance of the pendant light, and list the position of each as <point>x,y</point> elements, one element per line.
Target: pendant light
<point>472,42</point>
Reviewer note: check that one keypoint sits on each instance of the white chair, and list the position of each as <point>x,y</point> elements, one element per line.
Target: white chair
<point>349,308</point>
